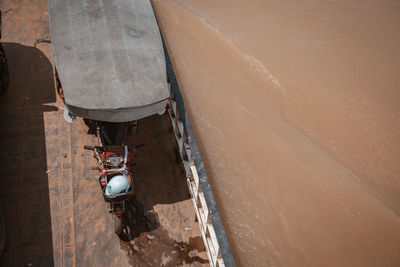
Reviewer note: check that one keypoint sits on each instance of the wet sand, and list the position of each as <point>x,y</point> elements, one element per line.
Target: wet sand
<point>54,210</point>
<point>296,109</point>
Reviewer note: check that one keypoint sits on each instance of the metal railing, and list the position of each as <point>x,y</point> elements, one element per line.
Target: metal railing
<point>207,213</point>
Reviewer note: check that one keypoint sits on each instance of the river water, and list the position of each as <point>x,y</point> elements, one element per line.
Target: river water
<point>296,108</point>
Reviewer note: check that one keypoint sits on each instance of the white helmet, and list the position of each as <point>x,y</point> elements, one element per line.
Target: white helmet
<point>117,185</point>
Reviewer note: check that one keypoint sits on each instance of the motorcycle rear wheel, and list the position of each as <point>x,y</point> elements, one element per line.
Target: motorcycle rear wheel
<point>117,223</point>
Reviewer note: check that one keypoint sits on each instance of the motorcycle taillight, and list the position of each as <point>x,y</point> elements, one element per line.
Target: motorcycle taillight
<point>118,213</point>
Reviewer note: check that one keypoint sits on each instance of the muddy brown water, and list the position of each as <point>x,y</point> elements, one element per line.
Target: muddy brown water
<point>296,108</point>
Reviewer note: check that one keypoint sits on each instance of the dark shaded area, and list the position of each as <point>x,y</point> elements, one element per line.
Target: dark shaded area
<point>112,133</point>
<point>24,179</point>
<point>91,126</point>
<point>136,220</point>
<point>161,182</point>
<point>164,182</point>
<point>4,77</point>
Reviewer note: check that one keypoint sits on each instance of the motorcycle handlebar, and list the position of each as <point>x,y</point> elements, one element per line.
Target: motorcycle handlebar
<point>93,147</point>
<point>102,148</point>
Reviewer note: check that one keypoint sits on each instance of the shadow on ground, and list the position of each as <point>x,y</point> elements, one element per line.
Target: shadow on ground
<point>161,182</point>
<point>23,176</point>
<point>136,220</point>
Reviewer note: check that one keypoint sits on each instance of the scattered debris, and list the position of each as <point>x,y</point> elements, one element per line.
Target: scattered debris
<point>193,253</point>
<point>151,237</point>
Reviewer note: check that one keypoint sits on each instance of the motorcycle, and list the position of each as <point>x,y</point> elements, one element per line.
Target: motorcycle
<point>114,165</point>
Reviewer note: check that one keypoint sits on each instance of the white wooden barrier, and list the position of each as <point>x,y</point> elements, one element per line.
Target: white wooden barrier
<point>199,203</point>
